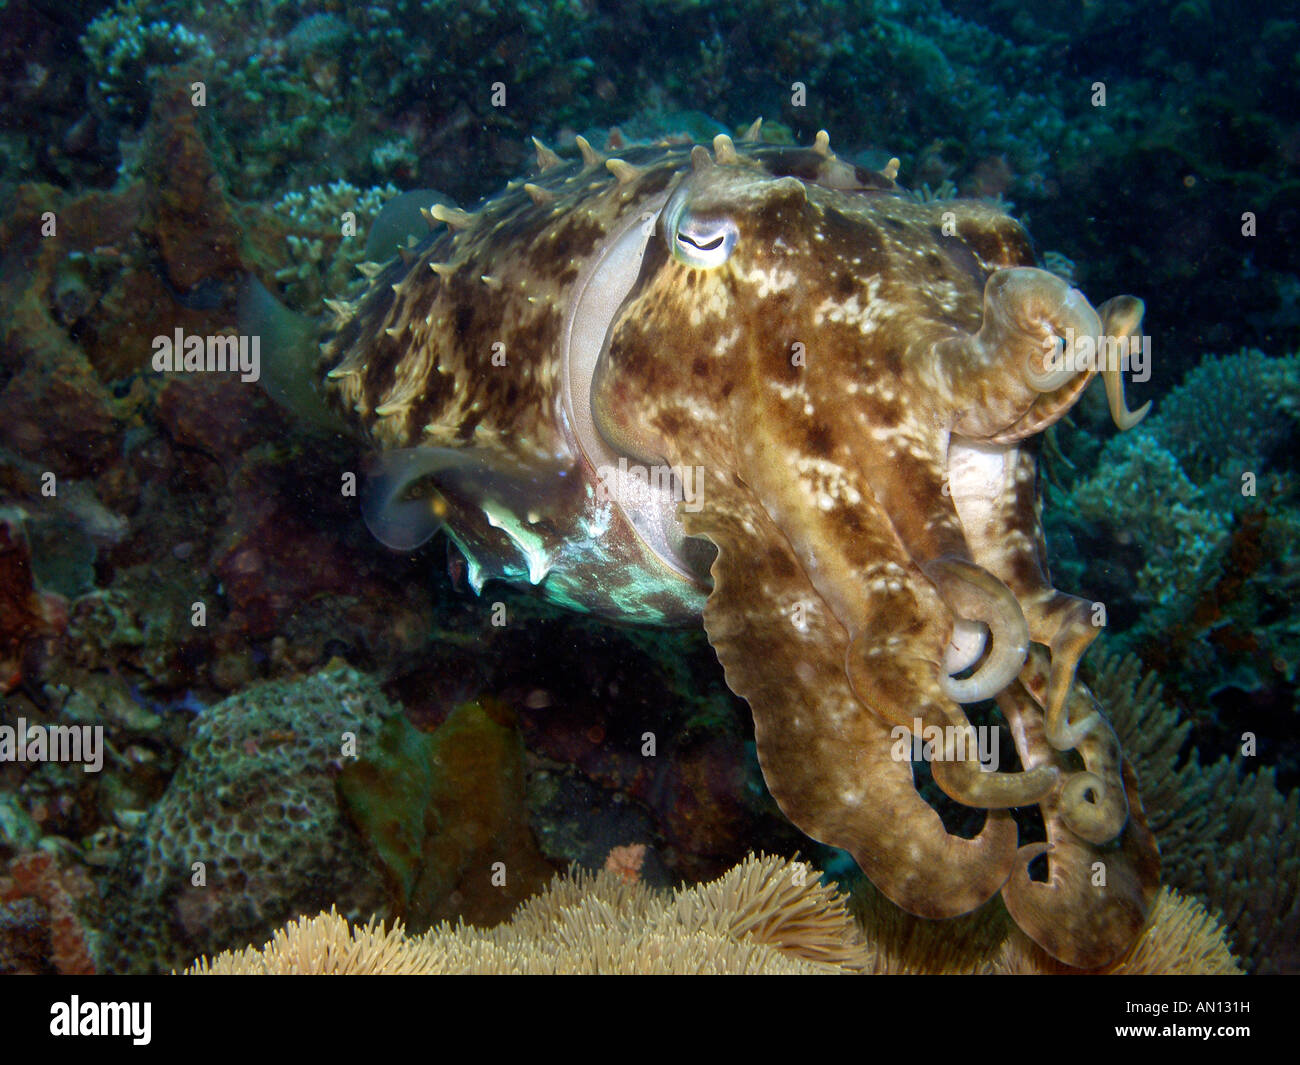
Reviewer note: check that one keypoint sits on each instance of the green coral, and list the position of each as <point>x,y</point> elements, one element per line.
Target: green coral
<point>441,809</point>
<point>322,261</point>
<point>1231,415</point>
<point>125,42</point>
<point>1178,482</point>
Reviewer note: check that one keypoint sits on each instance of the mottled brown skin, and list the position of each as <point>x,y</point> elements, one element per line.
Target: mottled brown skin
<point>823,373</point>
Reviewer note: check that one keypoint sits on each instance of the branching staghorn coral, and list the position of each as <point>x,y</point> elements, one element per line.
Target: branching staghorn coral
<point>322,262</point>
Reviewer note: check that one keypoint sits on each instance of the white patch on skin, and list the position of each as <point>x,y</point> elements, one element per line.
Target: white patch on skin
<point>768,281</point>
<point>787,392</point>
<point>852,311</point>
<point>711,303</point>
<point>976,479</point>
<point>829,483</point>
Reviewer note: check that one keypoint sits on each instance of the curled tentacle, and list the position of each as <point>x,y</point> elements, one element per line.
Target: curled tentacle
<point>976,595</point>
<point>1064,624</point>
<point>1036,332</point>
<point>1121,318</point>
<point>903,688</point>
<point>1093,803</point>
<point>1096,896</point>
<point>1094,902</point>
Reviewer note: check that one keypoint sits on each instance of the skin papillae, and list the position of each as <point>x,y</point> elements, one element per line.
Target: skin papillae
<point>857,380</point>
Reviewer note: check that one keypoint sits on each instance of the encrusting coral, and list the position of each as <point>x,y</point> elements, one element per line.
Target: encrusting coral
<point>767,915</point>
<point>254,804</point>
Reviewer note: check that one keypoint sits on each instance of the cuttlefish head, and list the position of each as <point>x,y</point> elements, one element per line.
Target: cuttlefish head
<point>835,359</point>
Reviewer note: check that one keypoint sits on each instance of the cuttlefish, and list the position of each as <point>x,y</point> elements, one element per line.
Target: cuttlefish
<point>765,385</point>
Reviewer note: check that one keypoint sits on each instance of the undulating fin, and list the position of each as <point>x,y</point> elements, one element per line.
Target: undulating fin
<point>290,353</point>
<point>401,218</point>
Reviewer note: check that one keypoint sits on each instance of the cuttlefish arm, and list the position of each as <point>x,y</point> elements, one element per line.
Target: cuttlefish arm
<point>1016,372</point>
<point>1096,896</point>
<point>897,620</point>
<point>993,474</point>
<point>828,760</point>
<point>908,480</point>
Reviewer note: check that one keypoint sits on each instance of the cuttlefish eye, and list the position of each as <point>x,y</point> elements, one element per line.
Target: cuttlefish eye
<point>700,242</point>
<point>704,242</point>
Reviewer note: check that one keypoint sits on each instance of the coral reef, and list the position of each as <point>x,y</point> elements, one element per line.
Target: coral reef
<point>767,915</point>
<point>25,614</point>
<point>1227,834</point>
<point>445,813</point>
<point>249,831</point>
<point>41,927</point>
<point>1191,521</point>
<point>325,246</point>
